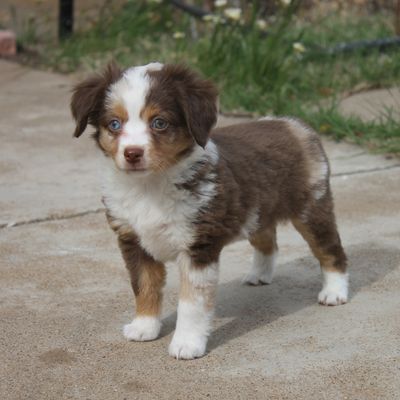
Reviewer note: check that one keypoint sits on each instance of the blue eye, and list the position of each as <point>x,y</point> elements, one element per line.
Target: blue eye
<point>114,125</point>
<point>159,124</point>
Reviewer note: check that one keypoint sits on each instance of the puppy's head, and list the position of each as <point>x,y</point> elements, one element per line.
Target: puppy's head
<point>146,118</point>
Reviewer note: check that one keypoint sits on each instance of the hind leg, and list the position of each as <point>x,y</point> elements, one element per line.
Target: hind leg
<point>318,228</point>
<point>264,259</point>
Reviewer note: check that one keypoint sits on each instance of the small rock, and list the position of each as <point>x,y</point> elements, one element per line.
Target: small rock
<point>8,43</point>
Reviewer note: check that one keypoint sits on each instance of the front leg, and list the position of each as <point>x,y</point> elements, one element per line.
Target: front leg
<point>147,278</point>
<point>195,308</point>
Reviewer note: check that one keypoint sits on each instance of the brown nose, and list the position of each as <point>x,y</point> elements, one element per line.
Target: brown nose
<point>133,154</point>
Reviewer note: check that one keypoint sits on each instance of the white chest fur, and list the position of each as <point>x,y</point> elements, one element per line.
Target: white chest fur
<point>160,213</point>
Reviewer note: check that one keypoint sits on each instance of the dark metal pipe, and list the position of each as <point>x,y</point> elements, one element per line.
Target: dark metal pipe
<point>65,18</point>
<point>361,45</point>
<point>192,10</point>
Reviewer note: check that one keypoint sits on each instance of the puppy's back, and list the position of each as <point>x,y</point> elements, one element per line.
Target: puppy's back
<point>281,155</point>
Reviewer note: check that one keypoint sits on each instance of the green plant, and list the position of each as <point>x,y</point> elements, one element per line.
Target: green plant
<point>238,51</point>
<point>382,135</point>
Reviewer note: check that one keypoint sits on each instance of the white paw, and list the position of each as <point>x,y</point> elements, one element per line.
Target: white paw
<point>142,329</point>
<point>332,298</point>
<point>255,280</point>
<point>187,347</point>
<point>335,290</point>
<point>262,270</point>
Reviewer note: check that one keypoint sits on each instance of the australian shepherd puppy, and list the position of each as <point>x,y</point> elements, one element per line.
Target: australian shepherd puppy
<point>176,189</point>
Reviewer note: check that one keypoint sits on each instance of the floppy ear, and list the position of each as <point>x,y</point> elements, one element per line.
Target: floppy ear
<point>88,97</point>
<point>197,98</point>
<point>200,107</point>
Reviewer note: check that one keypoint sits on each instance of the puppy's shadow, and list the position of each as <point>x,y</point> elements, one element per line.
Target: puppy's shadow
<point>295,286</point>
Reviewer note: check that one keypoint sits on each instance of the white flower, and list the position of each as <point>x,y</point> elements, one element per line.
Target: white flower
<point>215,19</point>
<point>220,3</point>
<point>299,47</point>
<point>208,17</point>
<point>261,24</point>
<point>154,1</point>
<point>286,3</point>
<point>233,13</point>
<point>178,35</point>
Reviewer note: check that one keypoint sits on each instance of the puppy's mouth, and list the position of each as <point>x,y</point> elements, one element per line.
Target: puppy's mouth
<point>131,167</point>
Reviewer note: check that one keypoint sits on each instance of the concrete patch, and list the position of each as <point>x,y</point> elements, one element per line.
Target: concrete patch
<point>65,296</point>
<point>373,105</point>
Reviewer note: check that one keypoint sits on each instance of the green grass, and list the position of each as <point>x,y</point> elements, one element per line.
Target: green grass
<point>378,136</point>
<point>255,73</point>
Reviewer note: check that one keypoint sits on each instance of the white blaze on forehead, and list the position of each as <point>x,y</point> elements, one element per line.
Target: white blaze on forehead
<point>131,91</point>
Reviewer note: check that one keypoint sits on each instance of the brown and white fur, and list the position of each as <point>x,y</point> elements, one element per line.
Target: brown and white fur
<point>177,190</point>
